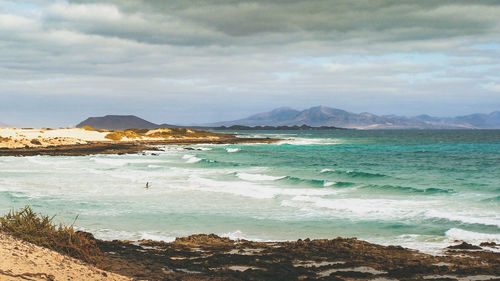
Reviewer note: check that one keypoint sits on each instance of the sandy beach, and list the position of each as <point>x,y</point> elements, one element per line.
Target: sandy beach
<point>20,138</point>
<point>24,261</point>
<point>78,141</point>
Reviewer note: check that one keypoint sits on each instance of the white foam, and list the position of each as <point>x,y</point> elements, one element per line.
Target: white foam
<point>109,234</point>
<point>358,208</point>
<point>327,170</point>
<point>250,189</point>
<point>476,219</point>
<point>157,237</point>
<point>329,183</point>
<point>257,177</point>
<point>230,150</point>
<point>191,158</point>
<point>235,235</point>
<point>309,141</point>
<point>238,234</point>
<point>37,160</point>
<point>123,162</point>
<point>470,236</point>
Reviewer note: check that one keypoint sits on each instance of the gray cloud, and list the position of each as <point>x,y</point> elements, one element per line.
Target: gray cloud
<point>225,59</point>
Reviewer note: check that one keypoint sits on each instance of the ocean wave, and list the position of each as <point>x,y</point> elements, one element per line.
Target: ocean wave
<point>463,218</point>
<point>191,158</point>
<point>309,141</point>
<point>316,182</point>
<point>231,150</point>
<point>37,160</point>
<point>492,199</point>
<point>110,234</point>
<point>353,174</point>
<point>328,183</point>
<point>364,209</point>
<point>123,162</point>
<point>470,236</point>
<point>238,234</point>
<point>250,189</point>
<point>326,171</point>
<point>257,177</point>
<point>296,180</point>
<point>408,189</point>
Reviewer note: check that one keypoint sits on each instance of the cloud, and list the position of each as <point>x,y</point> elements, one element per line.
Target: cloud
<point>240,57</point>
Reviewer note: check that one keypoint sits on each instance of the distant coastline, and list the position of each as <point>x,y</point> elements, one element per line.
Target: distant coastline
<point>272,128</point>
<point>86,141</point>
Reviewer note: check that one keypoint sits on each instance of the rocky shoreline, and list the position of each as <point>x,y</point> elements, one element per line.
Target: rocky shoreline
<point>210,257</point>
<point>121,147</point>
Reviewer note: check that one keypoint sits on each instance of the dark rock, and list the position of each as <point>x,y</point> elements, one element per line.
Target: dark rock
<point>489,244</point>
<point>465,246</point>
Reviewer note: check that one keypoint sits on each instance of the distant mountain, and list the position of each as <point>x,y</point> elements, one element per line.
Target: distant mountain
<point>325,116</point>
<point>271,118</point>
<point>3,125</point>
<point>120,122</point>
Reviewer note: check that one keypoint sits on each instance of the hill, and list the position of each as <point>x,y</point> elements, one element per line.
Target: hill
<point>319,116</point>
<point>3,125</point>
<point>120,122</point>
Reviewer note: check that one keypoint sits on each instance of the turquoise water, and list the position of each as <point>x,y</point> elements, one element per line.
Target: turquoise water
<point>419,189</point>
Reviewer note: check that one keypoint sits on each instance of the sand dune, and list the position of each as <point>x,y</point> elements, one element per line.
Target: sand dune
<point>14,138</point>
<point>22,138</point>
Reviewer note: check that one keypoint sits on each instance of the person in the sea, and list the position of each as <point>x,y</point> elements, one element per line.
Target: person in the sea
<point>147,185</point>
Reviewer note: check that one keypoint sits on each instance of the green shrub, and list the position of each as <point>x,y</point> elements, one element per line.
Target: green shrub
<point>39,230</point>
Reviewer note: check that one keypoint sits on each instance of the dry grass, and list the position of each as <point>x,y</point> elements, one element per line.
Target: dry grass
<point>88,128</point>
<point>163,133</point>
<point>118,135</point>
<point>40,230</point>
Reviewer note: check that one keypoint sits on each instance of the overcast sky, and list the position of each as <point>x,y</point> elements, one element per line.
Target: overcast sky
<point>190,62</point>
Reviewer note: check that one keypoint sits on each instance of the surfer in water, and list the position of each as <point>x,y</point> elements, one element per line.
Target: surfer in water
<point>147,185</point>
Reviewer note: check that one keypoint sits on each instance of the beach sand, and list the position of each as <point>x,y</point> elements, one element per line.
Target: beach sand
<point>20,260</point>
<point>77,141</point>
<point>18,138</point>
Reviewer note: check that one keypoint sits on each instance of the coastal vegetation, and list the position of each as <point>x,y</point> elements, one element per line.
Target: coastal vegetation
<point>210,257</point>
<point>40,230</point>
<point>162,133</point>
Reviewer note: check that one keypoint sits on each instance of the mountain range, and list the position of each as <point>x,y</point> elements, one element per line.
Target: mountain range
<point>325,116</point>
<point>3,125</point>
<point>318,116</point>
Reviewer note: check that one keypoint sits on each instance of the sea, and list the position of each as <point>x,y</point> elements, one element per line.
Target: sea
<point>421,189</point>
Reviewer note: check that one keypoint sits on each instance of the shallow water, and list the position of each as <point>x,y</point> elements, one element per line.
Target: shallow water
<point>420,189</point>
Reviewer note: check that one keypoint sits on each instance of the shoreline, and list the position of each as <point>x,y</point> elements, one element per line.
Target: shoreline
<point>210,257</point>
<point>123,147</point>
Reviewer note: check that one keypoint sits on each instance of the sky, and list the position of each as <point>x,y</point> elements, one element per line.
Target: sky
<point>194,62</point>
